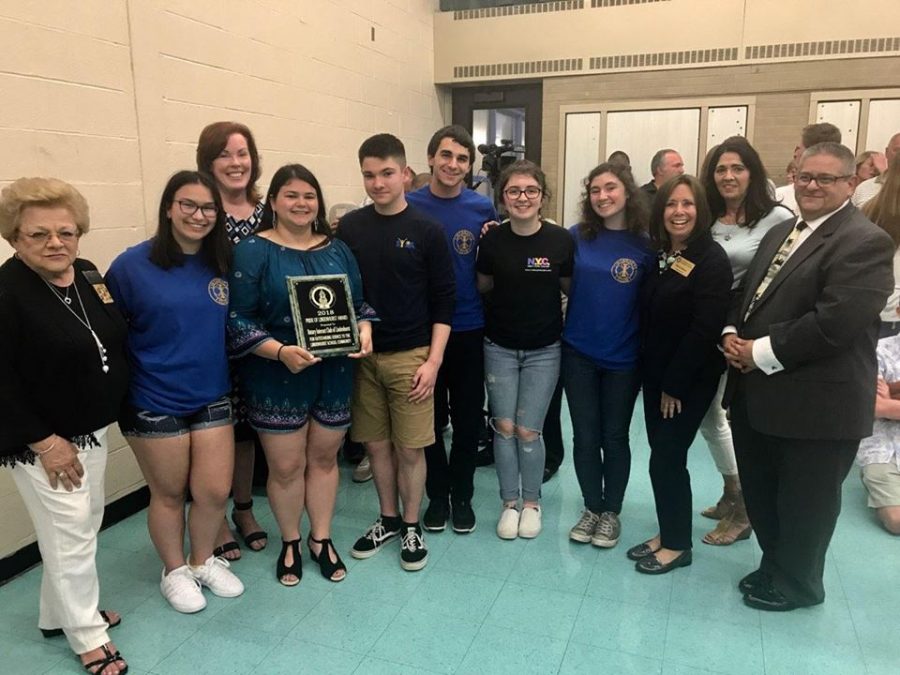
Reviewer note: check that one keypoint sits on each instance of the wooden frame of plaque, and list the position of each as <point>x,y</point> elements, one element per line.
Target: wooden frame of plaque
<point>324,319</point>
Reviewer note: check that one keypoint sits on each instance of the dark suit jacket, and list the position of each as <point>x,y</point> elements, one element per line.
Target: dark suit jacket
<point>682,321</point>
<point>821,313</point>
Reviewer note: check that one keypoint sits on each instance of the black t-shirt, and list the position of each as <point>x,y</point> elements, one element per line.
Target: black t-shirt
<point>525,308</point>
<point>407,274</point>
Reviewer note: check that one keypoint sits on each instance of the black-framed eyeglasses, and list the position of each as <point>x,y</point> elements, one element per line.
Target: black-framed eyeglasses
<point>822,179</point>
<point>189,208</point>
<point>531,192</point>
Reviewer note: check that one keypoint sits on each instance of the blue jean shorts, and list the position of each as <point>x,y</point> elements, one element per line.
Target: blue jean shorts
<point>149,424</point>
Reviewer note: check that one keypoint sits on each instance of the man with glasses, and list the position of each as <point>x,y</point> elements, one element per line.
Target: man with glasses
<point>801,346</point>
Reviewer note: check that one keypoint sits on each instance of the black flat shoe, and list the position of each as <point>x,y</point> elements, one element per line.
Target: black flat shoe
<point>650,564</point>
<point>323,559</point>
<point>296,569</point>
<point>754,581</point>
<point>769,599</point>
<point>56,632</point>
<point>640,551</point>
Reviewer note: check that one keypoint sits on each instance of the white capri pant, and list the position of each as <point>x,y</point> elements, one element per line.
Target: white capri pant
<point>717,433</point>
<point>67,524</point>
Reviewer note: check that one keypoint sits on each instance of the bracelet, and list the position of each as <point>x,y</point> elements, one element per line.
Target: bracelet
<point>44,452</point>
<point>278,353</point>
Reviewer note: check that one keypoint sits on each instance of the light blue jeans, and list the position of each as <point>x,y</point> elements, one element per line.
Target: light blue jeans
<point>520,384</point>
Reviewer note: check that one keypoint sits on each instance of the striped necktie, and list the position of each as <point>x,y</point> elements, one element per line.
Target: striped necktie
<point>784,252</point>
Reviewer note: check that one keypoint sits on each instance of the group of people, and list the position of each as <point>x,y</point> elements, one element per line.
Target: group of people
<point>189,343</point>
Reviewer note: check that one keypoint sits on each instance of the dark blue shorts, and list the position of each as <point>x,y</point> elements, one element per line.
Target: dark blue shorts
<point>148,424</point>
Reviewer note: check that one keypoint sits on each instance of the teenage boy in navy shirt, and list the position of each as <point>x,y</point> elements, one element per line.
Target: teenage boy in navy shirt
<point>408,279</point>
<point>460,382</point>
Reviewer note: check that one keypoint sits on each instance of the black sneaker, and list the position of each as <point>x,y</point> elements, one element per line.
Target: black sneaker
<point>435,518</point>
<point>382,531</point>
<point>413,552</point>
<point>463,517</point>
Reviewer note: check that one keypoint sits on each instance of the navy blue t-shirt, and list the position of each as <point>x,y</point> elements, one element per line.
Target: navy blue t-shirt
<point>462,218</point>
<point>602,318</point>
<point>176,331</point>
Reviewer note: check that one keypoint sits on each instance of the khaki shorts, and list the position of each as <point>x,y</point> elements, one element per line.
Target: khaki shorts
<point>380,408</point>
<point>883,483</point>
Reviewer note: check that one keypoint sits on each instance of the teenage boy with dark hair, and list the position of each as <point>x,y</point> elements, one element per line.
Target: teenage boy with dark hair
<point>460,382</point>
<point>408,278</point>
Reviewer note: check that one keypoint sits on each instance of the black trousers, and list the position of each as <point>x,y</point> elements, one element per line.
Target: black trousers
<point>460,385</point>
<point>552,432</point>
<point>792,488</point>
<point>669,441</point>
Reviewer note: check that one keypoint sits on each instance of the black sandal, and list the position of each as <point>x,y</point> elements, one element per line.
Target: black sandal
<point>97,667</point>
<point>248,537</point>
<point>56,632</point>
<point>326,566</point>
<point>296,569</point>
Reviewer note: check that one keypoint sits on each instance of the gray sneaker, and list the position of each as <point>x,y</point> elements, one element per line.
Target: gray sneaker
<point>584,528</point>
<point>606,534</point>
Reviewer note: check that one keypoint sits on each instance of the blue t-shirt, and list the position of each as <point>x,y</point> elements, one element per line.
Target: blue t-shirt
<point>461,218</point>
<point>176,331</point>
<point>604,301</point>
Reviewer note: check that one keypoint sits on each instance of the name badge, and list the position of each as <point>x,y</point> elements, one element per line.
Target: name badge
<point>683,266</point>
<point>96,281</point>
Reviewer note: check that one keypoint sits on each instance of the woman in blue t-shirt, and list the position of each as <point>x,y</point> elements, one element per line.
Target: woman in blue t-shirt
<point>601,342</point>
<point>173,293</point>
<point>523,263</point>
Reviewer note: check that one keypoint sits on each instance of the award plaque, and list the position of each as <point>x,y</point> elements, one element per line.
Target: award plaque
<point>323,314</point>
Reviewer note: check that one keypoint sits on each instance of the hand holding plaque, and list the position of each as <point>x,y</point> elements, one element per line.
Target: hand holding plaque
<point>324,319</point>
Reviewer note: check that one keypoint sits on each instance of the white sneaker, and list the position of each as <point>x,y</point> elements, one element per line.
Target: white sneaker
<point>362,472</point>
<point>217,577</point>
<point>508,525</point>
<point>530,522</point>
<point>182,590</point>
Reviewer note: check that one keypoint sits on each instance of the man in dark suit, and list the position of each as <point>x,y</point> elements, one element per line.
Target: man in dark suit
<point>801,346</point>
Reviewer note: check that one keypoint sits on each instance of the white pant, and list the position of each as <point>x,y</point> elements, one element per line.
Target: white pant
<point>67,524</point>
<point>717,433</point>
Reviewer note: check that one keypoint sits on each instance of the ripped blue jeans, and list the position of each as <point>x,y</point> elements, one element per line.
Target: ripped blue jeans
<point>520,384</point>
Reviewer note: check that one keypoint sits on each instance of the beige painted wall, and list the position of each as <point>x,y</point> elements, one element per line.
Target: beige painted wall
<point>576,30</point>
<point>111,96</point>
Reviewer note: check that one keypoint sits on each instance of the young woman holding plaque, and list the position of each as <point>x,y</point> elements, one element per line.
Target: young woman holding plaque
<point>297,401</point>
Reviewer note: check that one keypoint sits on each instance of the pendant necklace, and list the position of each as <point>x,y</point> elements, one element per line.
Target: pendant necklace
<point>59,294</point>
<point>86,322</point>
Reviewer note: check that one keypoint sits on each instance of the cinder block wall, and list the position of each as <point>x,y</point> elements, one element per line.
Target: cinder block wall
<point>111,96</point>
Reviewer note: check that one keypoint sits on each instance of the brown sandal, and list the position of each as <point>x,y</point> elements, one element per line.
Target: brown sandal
<point>728,531</point>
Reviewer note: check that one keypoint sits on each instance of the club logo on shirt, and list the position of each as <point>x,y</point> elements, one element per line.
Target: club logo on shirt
<point>321,296</point>
<point>218,291</point>
<point>405,243</point>
<point>537,265</point>
<point>464,242</point>
<point>624,270</point>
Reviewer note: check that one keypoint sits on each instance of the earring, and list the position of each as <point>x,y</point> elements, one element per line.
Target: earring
<point>274,220</point>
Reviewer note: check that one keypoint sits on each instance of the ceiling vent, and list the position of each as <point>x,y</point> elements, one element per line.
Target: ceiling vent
<point>825,48</point>
<point>518,68</point>
<point>517,10</point>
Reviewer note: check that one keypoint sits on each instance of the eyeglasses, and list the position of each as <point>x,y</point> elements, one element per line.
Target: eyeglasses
<point>822,180</point>
<point>189,208</point>
<point>40,238</point>
<point>531,192</point>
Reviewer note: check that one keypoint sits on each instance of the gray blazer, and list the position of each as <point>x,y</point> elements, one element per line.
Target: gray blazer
<point>821,313</point>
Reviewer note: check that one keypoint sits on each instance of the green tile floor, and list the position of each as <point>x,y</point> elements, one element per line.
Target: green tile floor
<point>488,606</point>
